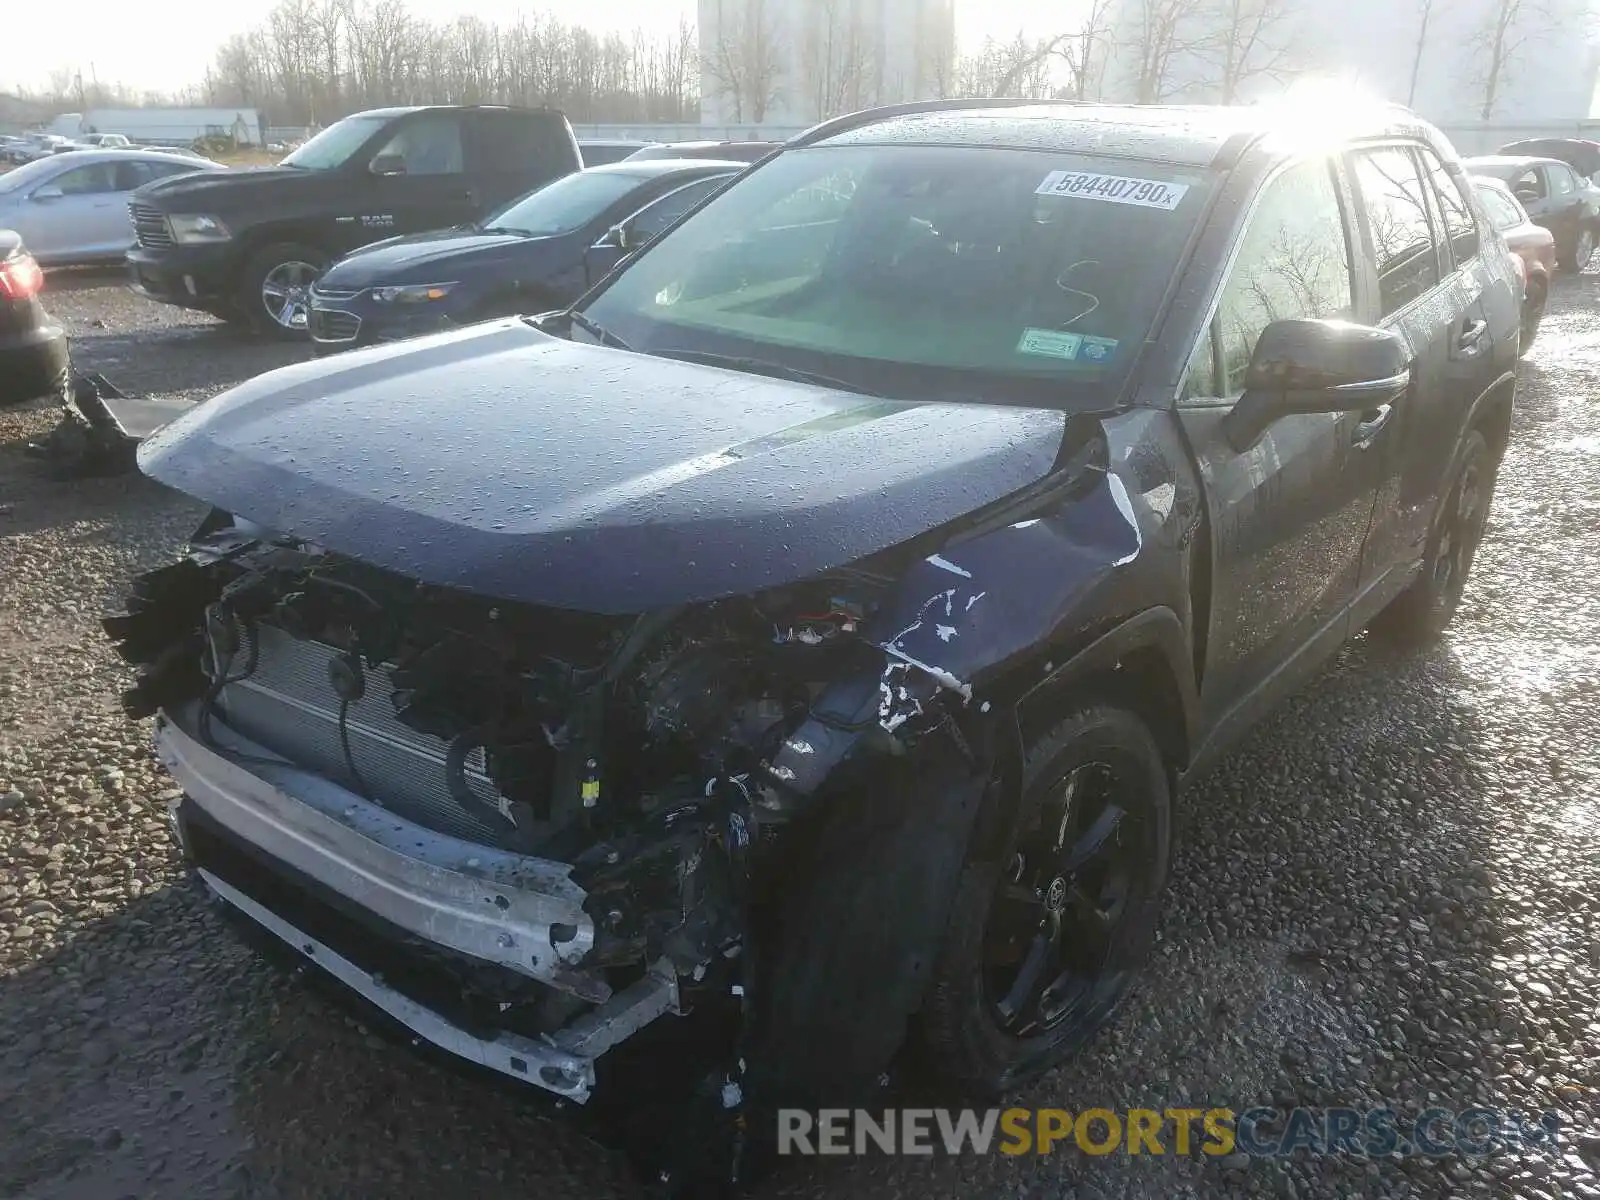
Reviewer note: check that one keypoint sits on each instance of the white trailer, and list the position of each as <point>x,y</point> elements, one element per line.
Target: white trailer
<point>164,126</point>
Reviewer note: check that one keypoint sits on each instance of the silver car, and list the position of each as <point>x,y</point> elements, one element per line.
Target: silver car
<point>73,208</point>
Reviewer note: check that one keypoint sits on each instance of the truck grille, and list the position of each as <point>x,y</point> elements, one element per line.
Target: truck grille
<point>333,325</point>
<point>149,226</point>
<point>288,705</point>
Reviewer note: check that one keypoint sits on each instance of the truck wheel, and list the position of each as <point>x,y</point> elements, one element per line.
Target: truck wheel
<point>1419,614</point>
<point>1042,945</point>
<point>274,291</point>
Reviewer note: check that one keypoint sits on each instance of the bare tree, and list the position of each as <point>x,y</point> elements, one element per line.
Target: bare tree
<point>840,58</point>
<point>1084,50</point>
<point>1250,40</point>
<point>1162,33</point>
<point>312,61</point>
<point>933,52</point>
<point>746,65</point>
<point>1498,43</point>
<point>1019,67</point>
<point>1024,66</point>
<point>1425,16</point>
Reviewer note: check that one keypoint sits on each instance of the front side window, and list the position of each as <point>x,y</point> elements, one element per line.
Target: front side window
<point>1293,261</point>
<point>1528,185</point>
<point>1460,226</point>
<point>89,180</point>
<point>927,272</point>
<point>673,205</point>
<point>427,146</point>
<point>1397,219</point>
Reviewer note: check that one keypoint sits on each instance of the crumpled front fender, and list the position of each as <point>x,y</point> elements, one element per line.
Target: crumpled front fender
<point>966,614</point>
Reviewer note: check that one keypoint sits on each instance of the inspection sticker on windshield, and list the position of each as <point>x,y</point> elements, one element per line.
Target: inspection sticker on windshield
<point>1050,342</point>
<point>1117,189</point>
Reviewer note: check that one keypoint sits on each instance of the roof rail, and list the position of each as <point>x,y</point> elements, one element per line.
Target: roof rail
<point>870,116</point>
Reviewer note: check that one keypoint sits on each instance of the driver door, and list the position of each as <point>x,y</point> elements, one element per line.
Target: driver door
<point>80,213</point>
<point>422,179</point>
<point>1567,214</point>
<point>1289,514</point>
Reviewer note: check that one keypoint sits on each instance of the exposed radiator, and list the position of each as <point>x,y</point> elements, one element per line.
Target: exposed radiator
<point>288,705</point>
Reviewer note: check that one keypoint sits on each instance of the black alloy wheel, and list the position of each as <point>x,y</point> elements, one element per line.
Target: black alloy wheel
<point>1043,945</point>
<point>1419,614</point>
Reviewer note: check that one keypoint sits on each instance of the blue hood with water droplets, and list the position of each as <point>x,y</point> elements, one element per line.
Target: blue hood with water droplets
<point>507,462</point>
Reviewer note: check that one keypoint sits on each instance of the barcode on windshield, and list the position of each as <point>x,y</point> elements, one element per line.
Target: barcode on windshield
<point>1116,189</point>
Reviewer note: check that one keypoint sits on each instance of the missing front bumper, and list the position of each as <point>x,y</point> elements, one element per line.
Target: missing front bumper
<point>351,887</point>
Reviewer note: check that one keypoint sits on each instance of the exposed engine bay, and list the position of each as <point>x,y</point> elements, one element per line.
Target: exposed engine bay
<point>657,760</point>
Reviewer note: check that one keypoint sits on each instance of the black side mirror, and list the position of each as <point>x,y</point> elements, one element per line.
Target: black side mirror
<point>1310,366</point>
<point>388,164</point>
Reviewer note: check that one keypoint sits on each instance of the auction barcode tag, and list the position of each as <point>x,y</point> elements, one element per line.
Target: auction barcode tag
<point>1117,189</point>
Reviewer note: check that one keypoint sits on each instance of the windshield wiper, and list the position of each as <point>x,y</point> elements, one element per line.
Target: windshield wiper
<point>763,366</point>
<point>597,331</point>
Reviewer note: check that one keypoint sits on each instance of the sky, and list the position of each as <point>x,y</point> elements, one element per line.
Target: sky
<point>123,44</point>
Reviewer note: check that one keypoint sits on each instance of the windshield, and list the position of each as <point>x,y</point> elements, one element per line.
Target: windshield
<point>954,273</point>
<point>334,145</point>
<point>29,173</point>
<point>565,204</point>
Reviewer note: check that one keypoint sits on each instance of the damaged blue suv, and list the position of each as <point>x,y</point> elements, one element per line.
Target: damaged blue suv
<point>803,638</point>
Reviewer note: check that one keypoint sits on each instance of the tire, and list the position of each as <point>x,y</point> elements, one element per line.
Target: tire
<point>977,1037</point>
<point>39,377</point>
<point>1532,315</point>
<point>1419,615</point>
<point>1580,250</point>
<point>283,269</point>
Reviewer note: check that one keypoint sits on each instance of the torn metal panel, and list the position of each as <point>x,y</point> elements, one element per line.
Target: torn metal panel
<point>100,428</point>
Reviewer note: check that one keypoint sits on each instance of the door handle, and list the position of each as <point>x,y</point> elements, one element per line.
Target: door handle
<point>1373,420</point>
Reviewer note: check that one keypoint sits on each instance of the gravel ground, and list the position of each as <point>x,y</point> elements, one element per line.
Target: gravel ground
<point>1391,894</point>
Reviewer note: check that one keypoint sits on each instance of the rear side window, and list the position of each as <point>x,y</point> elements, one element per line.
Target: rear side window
<point>1502,210</point>
<point>1397,216</point>
<point>535,146</point>
<point>1460,227</point>
<point>139,172</point>
<point>1293,261</point>
<point>1562,181</point>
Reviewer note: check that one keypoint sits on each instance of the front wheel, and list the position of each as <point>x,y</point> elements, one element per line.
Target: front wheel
<point>275,290</point>
<point>1532,316</point>
<point>1043,944</point>
<point>1419,614</point>
<point>1581,250</point>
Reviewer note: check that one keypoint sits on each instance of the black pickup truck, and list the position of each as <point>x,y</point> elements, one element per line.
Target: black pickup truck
<point>247,245</point>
